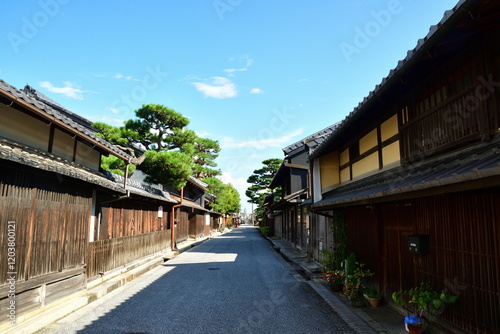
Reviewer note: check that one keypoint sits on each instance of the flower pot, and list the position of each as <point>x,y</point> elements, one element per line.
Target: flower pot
<point>413,324</point>
<point>336,287</point>
<point>415,328</point>
<point>374,302</point>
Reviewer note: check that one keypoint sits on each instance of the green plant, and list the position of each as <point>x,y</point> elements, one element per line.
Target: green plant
<point>328,259</point>
<point>351,263</point>
<point>372,292</point>
<point>339,232</point>
<point>423,299</point>
<point>354,282</point>
<point>265,230</point>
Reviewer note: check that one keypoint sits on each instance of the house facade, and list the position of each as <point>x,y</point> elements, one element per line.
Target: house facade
<point>290,215</point>
<point>422,168</point>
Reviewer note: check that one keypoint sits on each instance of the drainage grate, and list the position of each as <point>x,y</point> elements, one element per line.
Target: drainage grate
<point>213,268</point>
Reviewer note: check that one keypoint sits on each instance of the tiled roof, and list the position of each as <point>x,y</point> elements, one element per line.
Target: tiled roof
<point>55,111</point>
<point>48,101</point>
<point>474,163</point>
<point>198,183</point>
<point>142,189</point>
<point>42,160</point>
<point>313,140</point>
<point>402,65</point>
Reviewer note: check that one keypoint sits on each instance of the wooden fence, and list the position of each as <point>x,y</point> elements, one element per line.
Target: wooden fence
<point>132,217</point>
<point>51,230</point>
<point>109,254</point>
<point>42,241</point>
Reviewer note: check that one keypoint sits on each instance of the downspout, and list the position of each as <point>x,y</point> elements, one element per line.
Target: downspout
<point>126,178</point>
<point>172,222</point>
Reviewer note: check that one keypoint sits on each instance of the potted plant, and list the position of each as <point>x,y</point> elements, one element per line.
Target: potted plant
<point>423,301</point>
<point>328,260</point>
<point>373,295</point>
<point>353,283</point>
<point>335,279</point>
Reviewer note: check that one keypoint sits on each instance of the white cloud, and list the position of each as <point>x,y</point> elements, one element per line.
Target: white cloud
<point>248,62</point>
<point>125,77</point>
<point>202,134</point>
<point>261,143</point>
<point>114,110</point>
<point>69,90</point>
<point>218,87</point>
<point>256,91</point>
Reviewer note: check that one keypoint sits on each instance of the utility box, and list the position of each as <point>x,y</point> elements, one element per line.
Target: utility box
<point>418,243</point>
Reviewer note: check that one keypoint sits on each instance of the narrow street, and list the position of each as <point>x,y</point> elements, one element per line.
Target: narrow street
<point>235,283</point>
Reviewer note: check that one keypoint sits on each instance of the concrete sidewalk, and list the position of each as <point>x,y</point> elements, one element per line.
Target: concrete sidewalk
<point>382,319</point>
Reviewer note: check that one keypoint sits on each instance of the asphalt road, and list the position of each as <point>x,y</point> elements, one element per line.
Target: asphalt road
<point>235,283</point>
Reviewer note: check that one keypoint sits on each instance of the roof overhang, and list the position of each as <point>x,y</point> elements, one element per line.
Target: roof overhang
<point>41,160</point>
<point>474,168</point>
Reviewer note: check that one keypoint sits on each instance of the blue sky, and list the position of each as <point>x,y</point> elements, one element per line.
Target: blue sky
<point>255,75</point>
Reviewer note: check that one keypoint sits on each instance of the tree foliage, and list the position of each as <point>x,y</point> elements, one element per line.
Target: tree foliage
<point>260,182</point>
<point>111,134</point>
<point>227,198</point>
<point>172,152</point>
<point>168,167</point>
<point>116,165</point>
<point>206,151</point>
<point>261,179</point>
<point>157,127</point>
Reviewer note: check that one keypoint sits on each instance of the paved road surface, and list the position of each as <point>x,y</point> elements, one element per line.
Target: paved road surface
<point>235,283</point>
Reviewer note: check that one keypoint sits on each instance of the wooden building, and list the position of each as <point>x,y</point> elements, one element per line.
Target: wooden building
<point>64,221</point>
<point>290,216</point>
<point>420,157</point>
<point>49,183</point>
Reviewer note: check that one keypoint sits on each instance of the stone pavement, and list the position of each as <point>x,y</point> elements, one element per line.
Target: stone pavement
<point>382,319</point>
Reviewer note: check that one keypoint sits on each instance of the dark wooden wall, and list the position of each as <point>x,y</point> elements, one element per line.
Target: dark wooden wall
<point>364,239</point>
<point>51,218</point>
<point>464,256</point>
<point>109,254</point>
<point>131,217</point>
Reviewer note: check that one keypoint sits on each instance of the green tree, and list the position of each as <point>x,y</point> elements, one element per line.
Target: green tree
<point>170,145</point>
<point>261,179</point>
<point>116,165</point>
<point>168,167</point>
<point>260,182</point>
<point>111,134</point>
<point>172,154</point>
<point>116,136</point>
<point>227,198</point>
<point>158,127</point>
<point>205,152</point>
